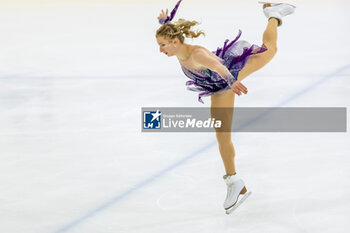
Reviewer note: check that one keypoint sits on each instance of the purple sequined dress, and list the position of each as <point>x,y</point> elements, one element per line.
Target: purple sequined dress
<point>234,56</point>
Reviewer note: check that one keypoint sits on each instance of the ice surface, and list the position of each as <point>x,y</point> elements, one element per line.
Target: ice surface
<point>73,79</point>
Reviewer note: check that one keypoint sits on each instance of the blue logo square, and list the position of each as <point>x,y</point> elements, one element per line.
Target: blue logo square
<point>152,119</point>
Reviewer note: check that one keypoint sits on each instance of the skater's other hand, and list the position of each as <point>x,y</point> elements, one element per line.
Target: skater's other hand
<point>238,88</point>
<point>163,15</point>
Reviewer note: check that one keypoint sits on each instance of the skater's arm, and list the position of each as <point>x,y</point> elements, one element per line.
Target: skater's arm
<point>203,58</point>
<point>163,16</point>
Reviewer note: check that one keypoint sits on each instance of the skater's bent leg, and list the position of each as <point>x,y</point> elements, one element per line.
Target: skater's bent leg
<point>227,151</point>
<point>257,61</point>
<point>270,34</point>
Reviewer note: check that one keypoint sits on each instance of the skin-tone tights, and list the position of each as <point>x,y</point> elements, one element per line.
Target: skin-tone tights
<point>226,99</point>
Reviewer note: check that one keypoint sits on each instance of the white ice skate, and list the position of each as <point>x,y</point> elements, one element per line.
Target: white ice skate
<point>278,10</point>
<point>236,193</point>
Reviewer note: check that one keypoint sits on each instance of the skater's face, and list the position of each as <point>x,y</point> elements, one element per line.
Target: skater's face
<point>168,46</point>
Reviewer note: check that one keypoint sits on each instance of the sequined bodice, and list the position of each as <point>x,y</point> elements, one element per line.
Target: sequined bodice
<point>202,75</point>
<point>203,80</point>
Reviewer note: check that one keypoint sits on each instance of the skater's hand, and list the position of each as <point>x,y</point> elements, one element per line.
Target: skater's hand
<point>163,15</point>
<point>238,88</point>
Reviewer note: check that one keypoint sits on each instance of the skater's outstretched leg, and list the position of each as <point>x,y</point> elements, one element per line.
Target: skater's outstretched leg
<point>236,189</point>
<point>274,12</point>
<point>226,98</point>
<point>257,61</point>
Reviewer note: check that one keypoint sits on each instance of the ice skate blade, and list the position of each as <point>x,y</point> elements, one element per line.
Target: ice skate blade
<point>275,3</point>
<point>245,196</point>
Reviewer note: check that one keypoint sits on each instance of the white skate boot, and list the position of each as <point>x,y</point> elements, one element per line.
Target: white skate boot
<point>277,10</point>
<point>236,193</point>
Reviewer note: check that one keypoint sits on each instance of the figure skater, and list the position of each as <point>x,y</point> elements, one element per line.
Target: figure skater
<point>219,74</point>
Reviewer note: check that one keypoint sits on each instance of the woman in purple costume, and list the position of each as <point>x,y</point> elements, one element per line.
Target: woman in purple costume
<point>219,74</point>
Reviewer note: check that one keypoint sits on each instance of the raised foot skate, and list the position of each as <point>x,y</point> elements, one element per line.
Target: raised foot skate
<point>244,194</point>
<point>277,10</point>
<point>274,3</point>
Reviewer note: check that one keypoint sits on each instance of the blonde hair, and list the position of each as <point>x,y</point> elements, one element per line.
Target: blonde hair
<point>179,29</point>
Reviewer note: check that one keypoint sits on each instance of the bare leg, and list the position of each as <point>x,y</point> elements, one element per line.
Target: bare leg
<point>257,61</point>
<point>226,99</point>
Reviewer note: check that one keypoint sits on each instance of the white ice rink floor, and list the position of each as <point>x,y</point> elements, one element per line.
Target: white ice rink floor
<point>73,79</point>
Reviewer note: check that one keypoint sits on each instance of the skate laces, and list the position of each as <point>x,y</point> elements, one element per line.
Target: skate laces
<point>230,179</point>
<point>229,191</point>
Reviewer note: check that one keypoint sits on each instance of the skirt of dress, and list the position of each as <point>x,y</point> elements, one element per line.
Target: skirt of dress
<point>234,55</point>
